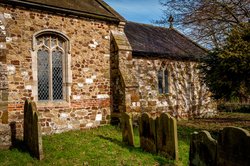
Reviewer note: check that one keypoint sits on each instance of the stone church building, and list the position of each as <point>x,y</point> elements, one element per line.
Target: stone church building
<point>84,64</point>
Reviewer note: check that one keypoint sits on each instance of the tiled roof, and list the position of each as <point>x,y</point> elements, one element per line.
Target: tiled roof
<point>153,41</point>
<point>88,8</point>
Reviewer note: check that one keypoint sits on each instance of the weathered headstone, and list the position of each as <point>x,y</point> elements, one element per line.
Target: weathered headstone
<point>203,149</point>
<point>233,147</point>
<point>167,141</point>
<point>127,129</point>
<point>25,125</point>
<point>147,133</point>
<point>32,130</point>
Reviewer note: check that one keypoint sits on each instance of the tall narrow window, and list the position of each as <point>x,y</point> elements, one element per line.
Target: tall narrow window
<point>50,69</point>
<point>43,74</point>
<point>163,81</point>
<point>160,81</point>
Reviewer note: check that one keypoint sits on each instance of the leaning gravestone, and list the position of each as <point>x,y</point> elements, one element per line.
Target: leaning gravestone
<point>147,133</point>
<point>203,149</point>
<point>167,141</point>
<point>32,130</point>
<point>127,129</point>
<point>233,147</point>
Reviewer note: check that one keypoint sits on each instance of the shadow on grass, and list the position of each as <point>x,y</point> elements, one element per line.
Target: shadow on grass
<point>117,142</point>
<point>159,159</point>
<point>17,143</point>
<point>163,161</point>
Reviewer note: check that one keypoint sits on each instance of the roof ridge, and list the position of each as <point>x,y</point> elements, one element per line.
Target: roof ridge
<point>151,25</point>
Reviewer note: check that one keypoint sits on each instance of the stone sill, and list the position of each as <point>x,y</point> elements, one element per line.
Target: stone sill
<point>47,104</point>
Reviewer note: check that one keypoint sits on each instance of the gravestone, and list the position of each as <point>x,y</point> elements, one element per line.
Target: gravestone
<point>147,132</point>
<point>203,149</point>
<point>127,129</point>
<point>167,141</point>
<point>32,130</point>
<point>233,147</point>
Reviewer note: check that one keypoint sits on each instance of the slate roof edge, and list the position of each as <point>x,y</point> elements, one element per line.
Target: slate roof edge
<point>116,18</point>
<point>153,55</point>
<point>111,10</point>
<point>195,43</point>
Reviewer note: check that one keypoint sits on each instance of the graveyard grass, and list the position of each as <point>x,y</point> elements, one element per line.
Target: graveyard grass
<point>103,146</point>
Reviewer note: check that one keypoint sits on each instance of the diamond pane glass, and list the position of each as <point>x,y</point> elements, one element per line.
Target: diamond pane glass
<point>160,81</point>
<point>57,74</point>
<point>43,74</point>
<point>166,81</point>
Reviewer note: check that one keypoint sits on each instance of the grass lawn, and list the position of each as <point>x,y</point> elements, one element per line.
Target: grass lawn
<point>103,146</point>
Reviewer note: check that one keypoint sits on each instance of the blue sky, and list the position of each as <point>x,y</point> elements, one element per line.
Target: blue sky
<point>143,11</point>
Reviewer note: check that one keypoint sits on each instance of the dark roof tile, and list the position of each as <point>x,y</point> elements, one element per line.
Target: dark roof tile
<point>153,41</point>
<point>90,8</point>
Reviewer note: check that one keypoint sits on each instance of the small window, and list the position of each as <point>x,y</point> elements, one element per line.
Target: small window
<point>160,81</point>
<point>163,81</point>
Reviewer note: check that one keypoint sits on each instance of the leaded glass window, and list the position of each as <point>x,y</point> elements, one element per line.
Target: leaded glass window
<point>163,81</point>
<point>43,74</point>
<point>160,81</point>
<point>50,56</point>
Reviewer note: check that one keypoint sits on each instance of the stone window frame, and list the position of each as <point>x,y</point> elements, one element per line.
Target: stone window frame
<point>164,73</point>
<point>67,72</point>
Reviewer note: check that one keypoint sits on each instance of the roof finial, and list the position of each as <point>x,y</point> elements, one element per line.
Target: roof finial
<point>171,20</point>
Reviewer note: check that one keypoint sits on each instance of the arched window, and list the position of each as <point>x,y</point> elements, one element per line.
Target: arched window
<point>163,81</point>
<point>51,56</point>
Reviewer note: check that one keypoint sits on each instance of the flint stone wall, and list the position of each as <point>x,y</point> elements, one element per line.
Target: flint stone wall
<point>231,149</point>
<point>187,96</point>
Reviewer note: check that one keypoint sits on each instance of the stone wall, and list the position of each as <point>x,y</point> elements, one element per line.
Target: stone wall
<point>5,131</point>
<point>231,149</point>
<point>125,92</point>
<point>89,88</point>
<point>187,96</point>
